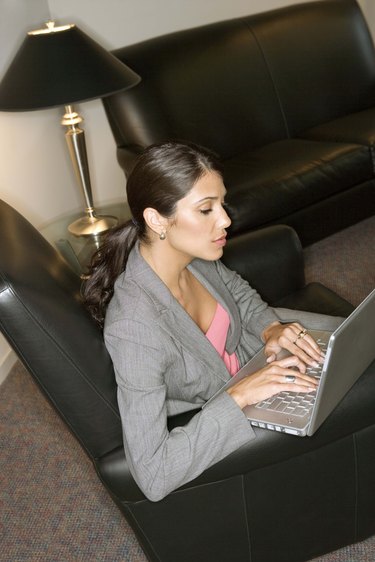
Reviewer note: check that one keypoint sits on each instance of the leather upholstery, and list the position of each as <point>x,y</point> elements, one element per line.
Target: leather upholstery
<point>308,172</point>
<point>325,69</point>
<point>42,317</point>
<point>280,97</point>
<point>278,498</point>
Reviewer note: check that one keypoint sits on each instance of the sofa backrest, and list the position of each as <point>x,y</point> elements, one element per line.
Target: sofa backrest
<point>44,320</point>
<point>207,84</point>
<point>321,58</point>
<point>242,83</point>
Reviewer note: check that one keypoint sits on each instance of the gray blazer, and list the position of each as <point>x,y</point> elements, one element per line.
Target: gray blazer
<point>165,365</point>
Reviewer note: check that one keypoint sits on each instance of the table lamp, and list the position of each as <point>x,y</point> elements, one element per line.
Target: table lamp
<point>61,65</point>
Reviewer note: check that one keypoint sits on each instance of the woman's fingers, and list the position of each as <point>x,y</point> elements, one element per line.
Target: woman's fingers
<point>285,374</point>
<point>307,343</point>
<point>298,342</point>
<point>288,362</point>
<point>291,370</point>
<point>295,339</point>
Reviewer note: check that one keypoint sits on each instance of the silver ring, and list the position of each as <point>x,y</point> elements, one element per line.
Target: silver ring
<point>290,378</point>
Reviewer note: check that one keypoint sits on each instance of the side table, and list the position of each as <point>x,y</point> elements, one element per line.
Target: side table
<point>78,250</point>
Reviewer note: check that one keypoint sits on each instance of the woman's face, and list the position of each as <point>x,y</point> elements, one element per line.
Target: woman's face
<point>198,228</point>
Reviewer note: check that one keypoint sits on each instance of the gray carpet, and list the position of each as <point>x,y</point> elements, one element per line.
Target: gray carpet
<point>345,262</point>
<point>53,507</point>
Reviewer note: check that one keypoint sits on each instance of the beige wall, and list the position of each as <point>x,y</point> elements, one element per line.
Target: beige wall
<point>35,173</point>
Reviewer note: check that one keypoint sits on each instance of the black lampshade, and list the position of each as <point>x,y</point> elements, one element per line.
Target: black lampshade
<point>60,67</point>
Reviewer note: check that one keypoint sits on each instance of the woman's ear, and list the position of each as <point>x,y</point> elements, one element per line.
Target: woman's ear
<point>155,221</point>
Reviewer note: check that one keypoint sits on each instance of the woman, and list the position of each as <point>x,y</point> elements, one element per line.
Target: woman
<point>178,323</point>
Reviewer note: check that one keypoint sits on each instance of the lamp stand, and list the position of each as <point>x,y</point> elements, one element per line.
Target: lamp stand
<point>90,224</point>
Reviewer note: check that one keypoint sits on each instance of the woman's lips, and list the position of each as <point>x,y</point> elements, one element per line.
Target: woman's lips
<point>221,241</point>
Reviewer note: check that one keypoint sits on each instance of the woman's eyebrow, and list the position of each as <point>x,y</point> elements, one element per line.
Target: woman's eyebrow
<point>210,198</point>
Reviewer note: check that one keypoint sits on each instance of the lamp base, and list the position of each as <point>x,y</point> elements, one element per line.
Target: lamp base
<point>92,225</point>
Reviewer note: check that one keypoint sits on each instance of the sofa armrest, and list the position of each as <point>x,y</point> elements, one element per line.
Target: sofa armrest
<point>270,259</point>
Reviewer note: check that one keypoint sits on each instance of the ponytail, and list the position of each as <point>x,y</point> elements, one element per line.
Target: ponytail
<point>106,265</point>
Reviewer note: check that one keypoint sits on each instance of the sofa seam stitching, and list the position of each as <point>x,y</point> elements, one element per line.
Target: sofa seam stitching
<point>271,78</point>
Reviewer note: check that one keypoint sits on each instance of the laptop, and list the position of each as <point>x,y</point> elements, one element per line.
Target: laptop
<point>349,350</point>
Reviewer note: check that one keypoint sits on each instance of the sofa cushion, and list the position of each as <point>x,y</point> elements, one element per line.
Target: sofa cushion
<point>357,127</point>
<point>271,182</point>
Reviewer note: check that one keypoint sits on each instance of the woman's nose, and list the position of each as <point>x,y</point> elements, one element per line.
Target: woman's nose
<point>225,220</point>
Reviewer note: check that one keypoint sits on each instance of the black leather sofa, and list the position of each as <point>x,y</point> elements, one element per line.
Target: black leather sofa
<point>279,498</point>
<point>286,98</point>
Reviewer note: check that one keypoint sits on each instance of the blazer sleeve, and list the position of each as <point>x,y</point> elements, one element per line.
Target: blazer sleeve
<point>162,460</point>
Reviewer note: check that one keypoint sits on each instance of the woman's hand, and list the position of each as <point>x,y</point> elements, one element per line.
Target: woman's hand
<point>295,339</point>
<point>270,380</point>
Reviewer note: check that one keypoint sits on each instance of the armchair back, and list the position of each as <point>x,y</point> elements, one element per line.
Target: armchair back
<point>44,320</point>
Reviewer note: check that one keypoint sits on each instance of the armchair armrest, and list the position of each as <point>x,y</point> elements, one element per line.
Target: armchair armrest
<point>270,259</point>
<point>268,449</point>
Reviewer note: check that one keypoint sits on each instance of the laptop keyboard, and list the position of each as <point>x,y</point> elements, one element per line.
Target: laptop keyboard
<point>298,404</point>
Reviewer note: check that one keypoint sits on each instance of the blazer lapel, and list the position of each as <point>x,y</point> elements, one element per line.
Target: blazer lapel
<point>182,328</point>
<point>208,276</point>
<point>173,318</point>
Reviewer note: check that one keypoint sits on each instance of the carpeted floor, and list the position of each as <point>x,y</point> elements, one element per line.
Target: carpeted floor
<point>53,507</point>
<point>345,262</point>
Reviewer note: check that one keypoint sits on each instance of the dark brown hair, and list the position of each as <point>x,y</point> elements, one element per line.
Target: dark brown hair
<point>163,174</point>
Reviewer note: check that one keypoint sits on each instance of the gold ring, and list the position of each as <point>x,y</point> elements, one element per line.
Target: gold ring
<point>301,335</point>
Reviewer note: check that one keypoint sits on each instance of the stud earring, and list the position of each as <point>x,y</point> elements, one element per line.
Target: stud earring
<point>162,236</point>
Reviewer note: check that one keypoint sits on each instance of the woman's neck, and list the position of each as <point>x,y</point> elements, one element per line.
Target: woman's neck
<point>186,289</point>
<point>171,268</point>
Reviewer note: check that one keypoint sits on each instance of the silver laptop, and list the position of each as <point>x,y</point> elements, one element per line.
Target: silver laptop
<point>349,351</point>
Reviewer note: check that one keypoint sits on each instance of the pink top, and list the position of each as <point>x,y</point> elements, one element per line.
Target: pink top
<point>217,335</point>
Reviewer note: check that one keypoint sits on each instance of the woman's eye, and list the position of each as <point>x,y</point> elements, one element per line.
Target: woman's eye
<point>205,211</point>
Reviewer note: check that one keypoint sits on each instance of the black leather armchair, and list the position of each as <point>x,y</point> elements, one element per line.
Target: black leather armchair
<point>278,498</point>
